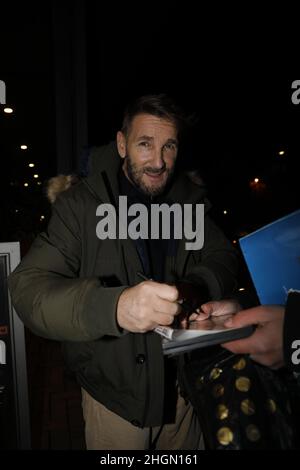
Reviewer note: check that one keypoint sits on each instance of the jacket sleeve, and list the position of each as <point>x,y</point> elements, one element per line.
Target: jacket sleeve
<point>218,265</point>
<point>47,292</point>
<point>291,332</point>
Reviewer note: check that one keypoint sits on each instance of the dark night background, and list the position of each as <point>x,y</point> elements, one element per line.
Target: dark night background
<point>71,67</point>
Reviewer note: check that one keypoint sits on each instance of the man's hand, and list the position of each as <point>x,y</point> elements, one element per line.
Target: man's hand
<point>265,345</point>
<point>145,306</point>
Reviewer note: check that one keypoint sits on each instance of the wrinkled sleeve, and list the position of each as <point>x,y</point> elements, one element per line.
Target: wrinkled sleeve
<point>47,292</point>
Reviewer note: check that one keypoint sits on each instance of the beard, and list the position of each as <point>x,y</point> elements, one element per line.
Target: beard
<point>135,174</point>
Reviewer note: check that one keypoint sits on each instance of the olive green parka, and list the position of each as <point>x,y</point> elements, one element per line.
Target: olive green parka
<point>67,288</point>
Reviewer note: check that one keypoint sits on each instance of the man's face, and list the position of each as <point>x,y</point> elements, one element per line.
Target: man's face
<point>149,151</point>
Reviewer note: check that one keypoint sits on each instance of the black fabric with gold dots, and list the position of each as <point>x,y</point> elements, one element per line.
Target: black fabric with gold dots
<point>240,404</point>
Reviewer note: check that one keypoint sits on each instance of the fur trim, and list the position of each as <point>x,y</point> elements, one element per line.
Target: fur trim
<point>58,184</point>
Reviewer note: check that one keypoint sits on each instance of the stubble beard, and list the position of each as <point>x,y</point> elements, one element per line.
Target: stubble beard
<point>135,174</point>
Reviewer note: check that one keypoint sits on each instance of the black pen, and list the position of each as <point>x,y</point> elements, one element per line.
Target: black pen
<point>142,276</point>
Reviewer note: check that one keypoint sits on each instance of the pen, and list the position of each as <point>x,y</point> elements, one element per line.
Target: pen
<point>142,276</point>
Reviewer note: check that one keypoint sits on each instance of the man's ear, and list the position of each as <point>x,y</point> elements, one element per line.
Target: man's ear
<point>121,144</point>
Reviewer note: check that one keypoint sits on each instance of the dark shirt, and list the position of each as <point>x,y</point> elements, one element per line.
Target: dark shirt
<point>155,250</point>
<point>153,255</point>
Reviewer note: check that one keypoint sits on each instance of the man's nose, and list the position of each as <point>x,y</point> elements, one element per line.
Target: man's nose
<point>157,159</point>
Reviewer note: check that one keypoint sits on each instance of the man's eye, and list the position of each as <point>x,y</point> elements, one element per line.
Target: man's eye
<point>170,146</point>
<point>144,144</point>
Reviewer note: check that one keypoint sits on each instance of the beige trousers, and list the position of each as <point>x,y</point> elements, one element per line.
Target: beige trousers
<point>105,430</point>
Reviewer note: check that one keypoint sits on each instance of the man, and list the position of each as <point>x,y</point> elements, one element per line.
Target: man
<point>85,291</point>
<point>276,340</point>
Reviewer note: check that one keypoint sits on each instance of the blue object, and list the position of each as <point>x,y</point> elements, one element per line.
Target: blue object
<point>272,254</point>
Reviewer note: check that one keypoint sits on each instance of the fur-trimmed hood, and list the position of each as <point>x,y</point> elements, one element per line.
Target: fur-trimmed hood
<point>58,184</point>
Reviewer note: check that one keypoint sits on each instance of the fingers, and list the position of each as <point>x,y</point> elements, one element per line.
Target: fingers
<point>240,346</point>
<point>166,292</point>
<point>162,319</point>
<point>209,307</point>
<point>269,357</point>
<point>265,343</point>
<point>215,308</point>
<point>193,316</point>
<point>254,316</point>
<point>199,316</point>
<point>166,307</point>
<point>163,303</point>
<point>205,311</point>
<point>167,313</point>
<point>142,307</point>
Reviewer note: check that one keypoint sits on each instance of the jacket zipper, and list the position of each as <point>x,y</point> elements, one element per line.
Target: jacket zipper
<point>147,394</point>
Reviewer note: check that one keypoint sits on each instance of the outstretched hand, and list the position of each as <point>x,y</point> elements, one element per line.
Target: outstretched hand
<point>265,345</point>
